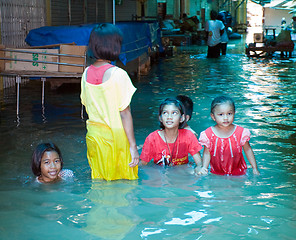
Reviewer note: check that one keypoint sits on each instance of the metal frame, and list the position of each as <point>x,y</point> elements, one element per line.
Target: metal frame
<point>42,75</point>
<point>39,74</point>
<point>41,53</point>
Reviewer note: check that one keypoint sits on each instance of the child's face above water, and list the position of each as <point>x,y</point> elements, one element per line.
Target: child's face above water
<point>223,114</point>
<point>171,116</point>
<point>50,167</point>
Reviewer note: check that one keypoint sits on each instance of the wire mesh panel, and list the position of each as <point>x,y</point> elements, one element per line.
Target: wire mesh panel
<point>17,18</point>
<point>61,12</point>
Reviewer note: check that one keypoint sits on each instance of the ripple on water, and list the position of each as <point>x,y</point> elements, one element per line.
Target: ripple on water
<point>165,203</point>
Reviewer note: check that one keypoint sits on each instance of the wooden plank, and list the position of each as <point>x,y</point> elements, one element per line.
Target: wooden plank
<point>31,60</point>
<point>268,49</point>
<point>41,74</point>
<point>72,49</point>
<point>2,54</point>
<point>51,45</point>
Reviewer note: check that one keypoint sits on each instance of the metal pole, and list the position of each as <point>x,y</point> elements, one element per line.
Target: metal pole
<point>18,81</point>
<point>69,13</point>
<point>43,79</point>
<point>43,83</point>
<point>114,12</point>
<point>81,113</point>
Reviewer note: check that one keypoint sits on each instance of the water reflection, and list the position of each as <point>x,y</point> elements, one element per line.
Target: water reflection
<point>165,203</point>
<point>107,218</point>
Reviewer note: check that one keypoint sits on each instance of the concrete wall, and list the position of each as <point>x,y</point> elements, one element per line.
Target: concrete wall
<point>151,8</point>
<point>273,18</point>
<point>125,11</point>
<point>191,8</point>
<point>170,5</point>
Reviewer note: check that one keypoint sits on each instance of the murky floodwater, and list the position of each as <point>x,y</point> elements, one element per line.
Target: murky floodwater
<point>168,203</point>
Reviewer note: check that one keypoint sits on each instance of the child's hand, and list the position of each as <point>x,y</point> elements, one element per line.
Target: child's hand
<point>201,171</point>
<point>135,157</point>
<point>255,171</point>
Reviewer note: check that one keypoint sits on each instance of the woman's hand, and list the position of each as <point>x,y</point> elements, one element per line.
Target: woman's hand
<point>135,157</point>
<point>127,122</point>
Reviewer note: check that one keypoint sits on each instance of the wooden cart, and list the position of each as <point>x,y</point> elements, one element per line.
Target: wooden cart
<point>261,51</point>
<point>60,65</point>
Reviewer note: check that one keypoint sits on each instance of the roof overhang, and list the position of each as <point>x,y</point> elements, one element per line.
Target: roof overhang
<point>280,4</point>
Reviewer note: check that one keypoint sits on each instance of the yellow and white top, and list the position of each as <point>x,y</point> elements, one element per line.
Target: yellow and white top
<point>108,149</point>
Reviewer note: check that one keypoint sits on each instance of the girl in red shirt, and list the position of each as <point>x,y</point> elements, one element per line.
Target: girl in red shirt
<point>223,143</point>
<point>171,144</point>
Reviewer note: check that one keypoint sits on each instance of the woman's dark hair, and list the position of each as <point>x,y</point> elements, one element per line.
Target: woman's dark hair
<point>178,104</point>
<point>105,42</point>
<point>38,153</point>
<point>221,100</point>
<point>221,17</point>
<point>213,15</point>
<point>187,103</point>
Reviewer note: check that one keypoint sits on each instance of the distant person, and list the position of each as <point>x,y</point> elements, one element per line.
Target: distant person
<point>214,29</point>
<point>223,143</point>
<point>172,144</point>
<point>106,93</point>
<point>188,105</point>
<point>294,24</point>
<point>283,23</point>
<point>184,17</point>
<point>284,40</point>
<point>47,164</point>
<point>224,36</point>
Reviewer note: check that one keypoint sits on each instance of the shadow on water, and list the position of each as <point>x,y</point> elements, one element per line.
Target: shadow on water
<point>165,203</point>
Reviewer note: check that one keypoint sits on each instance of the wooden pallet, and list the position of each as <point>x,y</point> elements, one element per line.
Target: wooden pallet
<point>263,51</point>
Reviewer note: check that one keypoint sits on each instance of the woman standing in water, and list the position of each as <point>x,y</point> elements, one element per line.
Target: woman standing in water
<point>106,93</point>
<point>214,29</point>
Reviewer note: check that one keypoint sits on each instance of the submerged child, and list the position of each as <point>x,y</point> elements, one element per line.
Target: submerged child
<point>47,164</point>
<point>223,143</point>
<point>106,93</point>
<point>188,106</point>
<point>171,144</point>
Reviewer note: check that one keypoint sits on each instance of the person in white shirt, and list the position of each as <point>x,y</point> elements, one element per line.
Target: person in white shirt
<point>224,36</point>
<point>214,29</point>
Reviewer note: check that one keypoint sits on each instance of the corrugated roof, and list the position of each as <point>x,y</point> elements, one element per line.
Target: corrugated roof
<point>281,4</point>
<point>278,4</point>
<point>261,2</point>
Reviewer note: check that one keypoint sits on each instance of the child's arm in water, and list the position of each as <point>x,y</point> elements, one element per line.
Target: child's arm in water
<point>198,162</point>
<point>127,122</point>
<point>143,163</point>
<point>206,157</point>
<point>251,157</point>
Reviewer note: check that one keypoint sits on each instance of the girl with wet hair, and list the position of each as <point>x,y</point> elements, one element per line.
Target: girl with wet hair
<point>223,143</point>
<point>47,164</point>
<point>172,144</point>
<point>106,93</point>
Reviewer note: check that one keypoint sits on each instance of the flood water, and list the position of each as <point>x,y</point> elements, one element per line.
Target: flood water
<point>165,203</point>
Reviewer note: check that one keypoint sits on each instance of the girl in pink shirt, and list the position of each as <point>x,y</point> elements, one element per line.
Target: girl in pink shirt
<point>171,144</point>
<point>223,143</point>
